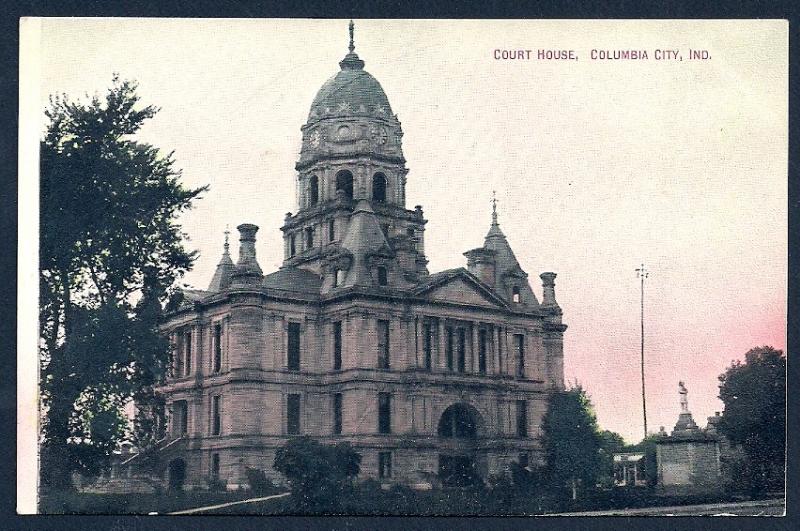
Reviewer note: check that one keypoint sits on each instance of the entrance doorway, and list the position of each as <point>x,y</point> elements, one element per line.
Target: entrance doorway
<point>177,474</point>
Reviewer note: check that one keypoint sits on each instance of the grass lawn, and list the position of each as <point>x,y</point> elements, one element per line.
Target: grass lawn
<point>365,500</point>
<point>84,503</point>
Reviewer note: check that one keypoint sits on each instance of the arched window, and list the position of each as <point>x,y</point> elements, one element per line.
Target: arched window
<point>515,296</point>
<point>313,190</point>
<point>379,188</point>
<point>458,421</point>
<point>383,278</point>
<point>344,182</point>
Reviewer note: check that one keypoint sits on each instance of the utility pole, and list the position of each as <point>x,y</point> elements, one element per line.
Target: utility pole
<point>642,273</point>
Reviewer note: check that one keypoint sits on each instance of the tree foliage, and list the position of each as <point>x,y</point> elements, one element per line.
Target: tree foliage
<point>571,440</point>
<point>317,474</point>
<point>610,443</point>
<point>754,394</point>
<point>108,238</point>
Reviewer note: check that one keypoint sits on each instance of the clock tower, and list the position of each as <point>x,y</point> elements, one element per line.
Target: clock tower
<point>351,178</point>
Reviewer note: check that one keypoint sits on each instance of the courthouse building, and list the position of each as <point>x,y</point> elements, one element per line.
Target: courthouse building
<point>353,339</point>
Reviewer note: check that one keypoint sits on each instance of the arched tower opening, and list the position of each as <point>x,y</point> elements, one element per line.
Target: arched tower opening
<point>379,188</point>
<point>344,182</point>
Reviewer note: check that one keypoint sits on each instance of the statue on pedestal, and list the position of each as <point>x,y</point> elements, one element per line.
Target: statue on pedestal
<point>684,400</point>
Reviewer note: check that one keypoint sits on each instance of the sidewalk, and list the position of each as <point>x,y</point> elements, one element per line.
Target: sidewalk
<point>229,504</point>
<point>722,509</point>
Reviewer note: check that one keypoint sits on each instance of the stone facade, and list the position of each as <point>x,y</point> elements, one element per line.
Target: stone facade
<point>352,339</point>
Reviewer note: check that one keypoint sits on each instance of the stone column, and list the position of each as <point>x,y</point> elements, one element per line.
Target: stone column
<point>475,347</point>
<point>409,341</point>
<point>419,355</point>
<point>441,345</point>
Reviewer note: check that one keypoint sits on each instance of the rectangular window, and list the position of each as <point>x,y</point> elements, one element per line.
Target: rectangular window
<point>523,459</point>
<point>217,365</point>
<point>519,343</point>
<point>181,417</point>
<point>216,421</point>
<point>337,414</point>
<point>383,344</point>
<point>449,349</point>
<point>383,278</point>
<point>384,413</point>
<point>522,418</point>
<point>292,245</point>
<point>187,344</point>
<point>462,350</point>
<point>309,237</point>
<point>293,347</point>
<point>331,230</point>
<point>178,357</point>
<point>293,414</point>
<point>215,466</point>
<point>384,464</point>
<point>482,340</point>
<point>427,344</point>
<point>337,346</point>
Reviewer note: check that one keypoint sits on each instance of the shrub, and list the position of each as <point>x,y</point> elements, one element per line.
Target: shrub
<point>318,474</point>
<point>216,485</point>
<point>258,481</point>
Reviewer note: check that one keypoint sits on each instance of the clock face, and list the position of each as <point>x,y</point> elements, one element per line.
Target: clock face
<point>315,138</point>
<point>380,135</point>
<point>343,132</point>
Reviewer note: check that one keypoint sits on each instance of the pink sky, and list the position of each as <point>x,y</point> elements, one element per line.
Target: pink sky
<point>598,166</point>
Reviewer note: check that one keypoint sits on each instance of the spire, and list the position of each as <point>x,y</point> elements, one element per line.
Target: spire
<point>351,61</point>
<point>495,228</point>
<point>225,268</point>
<point>364,240</point>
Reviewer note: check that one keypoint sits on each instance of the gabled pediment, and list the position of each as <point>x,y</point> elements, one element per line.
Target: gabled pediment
<point>460,287</point>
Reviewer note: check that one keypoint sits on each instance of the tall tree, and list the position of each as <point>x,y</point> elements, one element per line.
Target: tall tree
<point>754,394</point>
<point>108,237</point>
<point>571,440</point>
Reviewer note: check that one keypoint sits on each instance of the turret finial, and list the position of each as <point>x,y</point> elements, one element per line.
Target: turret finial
<point>352,46</point>
<point>227,245</point>
<point>494,207</point>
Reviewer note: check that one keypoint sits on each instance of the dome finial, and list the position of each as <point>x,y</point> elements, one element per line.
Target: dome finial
<point>352,46</point>
<point>494,208</point>
<point>351,60</point>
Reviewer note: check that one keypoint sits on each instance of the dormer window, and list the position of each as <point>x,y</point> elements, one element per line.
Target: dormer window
<point>383,278</point>
<point>515,296</point>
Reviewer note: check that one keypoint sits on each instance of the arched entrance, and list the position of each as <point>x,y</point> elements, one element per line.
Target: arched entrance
<point>458,430</point>
<point>177,474</point>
